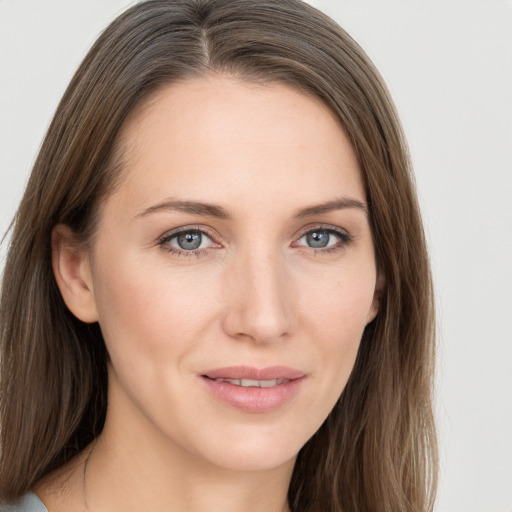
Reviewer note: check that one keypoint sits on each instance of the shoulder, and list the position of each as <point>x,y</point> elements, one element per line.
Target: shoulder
<point>27,503</point>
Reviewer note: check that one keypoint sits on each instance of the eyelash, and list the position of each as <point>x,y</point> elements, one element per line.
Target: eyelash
<point>344,240</point>
<point>182,253</point>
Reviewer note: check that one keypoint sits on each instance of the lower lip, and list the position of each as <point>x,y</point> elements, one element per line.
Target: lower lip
<point>254,399</point>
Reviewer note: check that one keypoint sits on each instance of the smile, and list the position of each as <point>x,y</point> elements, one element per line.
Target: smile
<point>253,390</point>
<point>253,383</point>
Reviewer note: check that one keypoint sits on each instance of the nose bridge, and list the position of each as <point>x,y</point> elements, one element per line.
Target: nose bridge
<point>261,303</point>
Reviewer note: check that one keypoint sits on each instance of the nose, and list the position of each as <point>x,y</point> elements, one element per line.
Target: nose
<point>260,299</point>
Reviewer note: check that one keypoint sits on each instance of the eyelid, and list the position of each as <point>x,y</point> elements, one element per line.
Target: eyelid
<point>205,231</point>
<point>345,237</point>
<point>323,227</point>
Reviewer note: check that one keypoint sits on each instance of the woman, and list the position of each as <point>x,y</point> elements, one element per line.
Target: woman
<point>217,294</point>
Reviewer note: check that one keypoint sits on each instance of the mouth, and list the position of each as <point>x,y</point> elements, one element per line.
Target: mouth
<point>252,383</point>
<point>248,373</point>
<point>252,390</point>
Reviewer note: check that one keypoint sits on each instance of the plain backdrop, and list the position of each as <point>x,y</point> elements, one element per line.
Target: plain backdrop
<point>448,65</point>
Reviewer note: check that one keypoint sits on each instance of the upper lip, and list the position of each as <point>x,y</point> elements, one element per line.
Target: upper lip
<point>248,372</point>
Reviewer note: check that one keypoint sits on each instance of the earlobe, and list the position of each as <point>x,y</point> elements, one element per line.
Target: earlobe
<point>72,273</point>
<point>377,294</point>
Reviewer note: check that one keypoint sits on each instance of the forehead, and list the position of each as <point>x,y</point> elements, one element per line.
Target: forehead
<point>216,134</point>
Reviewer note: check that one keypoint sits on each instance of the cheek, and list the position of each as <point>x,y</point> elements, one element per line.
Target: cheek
<point>341,300</point>
<point>146,313</point>
<point>336,316</point>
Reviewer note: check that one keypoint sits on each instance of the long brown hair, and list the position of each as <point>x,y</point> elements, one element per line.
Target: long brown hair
<point>376,451</point>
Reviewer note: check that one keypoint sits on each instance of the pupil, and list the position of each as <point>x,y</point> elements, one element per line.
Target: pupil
<point>317,239</point>
<point>190,240</point>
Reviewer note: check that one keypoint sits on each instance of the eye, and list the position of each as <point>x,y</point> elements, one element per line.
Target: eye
<point>187,240</point>
<point>324,238</point>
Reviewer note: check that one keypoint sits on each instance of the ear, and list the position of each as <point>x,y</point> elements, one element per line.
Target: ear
<point>73,275</point>
<point>377,294</point>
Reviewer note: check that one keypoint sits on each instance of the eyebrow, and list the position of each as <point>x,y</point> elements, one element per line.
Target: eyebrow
<point>216,211</point>
<point>194,207</point>
<point>329,206</point>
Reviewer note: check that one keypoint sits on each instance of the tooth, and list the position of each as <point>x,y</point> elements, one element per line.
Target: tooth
<point>253,382</point>
<point>249,382</point>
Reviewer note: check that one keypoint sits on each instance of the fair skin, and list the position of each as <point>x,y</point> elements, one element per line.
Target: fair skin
<point>279,272</point>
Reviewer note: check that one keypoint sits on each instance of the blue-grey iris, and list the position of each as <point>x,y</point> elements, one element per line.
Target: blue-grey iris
<point>189,240</point>
<point>317,239</point>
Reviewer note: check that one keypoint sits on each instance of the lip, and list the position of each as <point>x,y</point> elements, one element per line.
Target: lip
<point>248,372</point>
<point>254,399</point>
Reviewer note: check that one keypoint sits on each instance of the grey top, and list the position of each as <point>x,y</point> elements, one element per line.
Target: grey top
<point>28,503</point>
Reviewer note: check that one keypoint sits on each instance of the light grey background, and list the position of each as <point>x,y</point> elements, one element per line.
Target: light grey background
<point>449,67</point>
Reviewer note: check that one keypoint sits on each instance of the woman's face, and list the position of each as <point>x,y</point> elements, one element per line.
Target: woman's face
<point>237,246</point>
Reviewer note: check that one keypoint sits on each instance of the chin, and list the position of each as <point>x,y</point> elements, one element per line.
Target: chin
<point>246,460</point>
<point>254,451</point>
